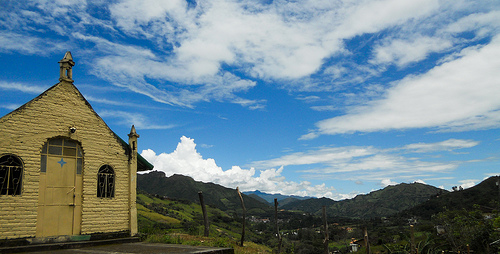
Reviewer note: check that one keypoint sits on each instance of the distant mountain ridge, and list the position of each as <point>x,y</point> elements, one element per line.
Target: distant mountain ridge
<point>269,198</point>
<point>486,195</point>
<point>406,199</point>
<point>380,203</point>
<point>186,188</point>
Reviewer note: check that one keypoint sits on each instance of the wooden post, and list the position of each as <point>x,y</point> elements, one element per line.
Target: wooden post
<point>325,223</point>
<point>276,220</point>
<point>367,244</point>
<point>205,215</point>
<point>498,205</point>
<point>412,240</point>
<point>244,220</point>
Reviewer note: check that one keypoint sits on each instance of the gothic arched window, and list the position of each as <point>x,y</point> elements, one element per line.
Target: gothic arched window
<point>106,182</point>
<point>11,175</point>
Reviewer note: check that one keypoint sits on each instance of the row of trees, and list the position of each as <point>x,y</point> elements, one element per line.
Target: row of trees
<point>460,231</point>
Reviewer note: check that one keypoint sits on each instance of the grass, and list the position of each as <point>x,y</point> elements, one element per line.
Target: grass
<point>219,242</point>
<point>147,213</point>
<point>166,221</point>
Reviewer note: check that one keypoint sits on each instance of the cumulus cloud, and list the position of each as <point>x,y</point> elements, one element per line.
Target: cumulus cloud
<point>467,183</point>
<point>187,161</point>
<point>387,182</point>
<point>357,164</point>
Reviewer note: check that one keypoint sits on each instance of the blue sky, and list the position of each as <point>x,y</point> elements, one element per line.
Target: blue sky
<point>315,98</point>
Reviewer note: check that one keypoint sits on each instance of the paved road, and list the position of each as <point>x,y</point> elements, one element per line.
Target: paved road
<point>146,248</point>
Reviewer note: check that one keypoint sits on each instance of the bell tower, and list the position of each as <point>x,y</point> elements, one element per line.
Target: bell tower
<point>66,73</point>
<point>132,142</point>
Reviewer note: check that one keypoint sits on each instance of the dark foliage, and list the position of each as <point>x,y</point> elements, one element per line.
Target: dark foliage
<point>486,195</point>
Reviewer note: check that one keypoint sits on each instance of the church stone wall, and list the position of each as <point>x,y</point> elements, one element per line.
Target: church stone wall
<point>23,133</point>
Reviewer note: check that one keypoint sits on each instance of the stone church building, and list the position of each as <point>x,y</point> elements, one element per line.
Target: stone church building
<point>63,172</point>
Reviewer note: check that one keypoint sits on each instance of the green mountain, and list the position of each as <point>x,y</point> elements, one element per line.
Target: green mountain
<point>380,203</point>
<point>161,220</point>
<point>186,188</point>
<point>269,198</point>
<point>256,197</point>
<point>312,205</point>
<point>485,194</point>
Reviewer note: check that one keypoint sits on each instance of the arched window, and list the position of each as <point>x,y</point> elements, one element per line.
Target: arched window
<point>63,148</point>
<point>106,182</point>
<point>11,175</point>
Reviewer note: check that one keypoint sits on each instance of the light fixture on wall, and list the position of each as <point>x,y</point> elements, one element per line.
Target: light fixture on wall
<point>72,130</point>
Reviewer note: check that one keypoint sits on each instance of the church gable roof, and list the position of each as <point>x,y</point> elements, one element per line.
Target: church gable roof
<point>68,95</point>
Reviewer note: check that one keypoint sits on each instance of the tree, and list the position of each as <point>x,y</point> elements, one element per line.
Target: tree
<point>464,228</point>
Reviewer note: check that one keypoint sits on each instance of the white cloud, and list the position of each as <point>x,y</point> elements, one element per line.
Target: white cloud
<point>483,23</point>
<point>309,99</point>
<point>128,66</point>
<point>27,44</point>
<point>369,163</point>
<point>420,181</point>
<point>322,155</point>
<point>186,160</point>
<point>10,106</point>
<point>22,87</point>
<point>279,40</point>
<point>358,164</point>
<point>185,48</point>
<point>115,103</point>
<point>324,108</point>
<point>374,16</point>
<point>458,95</point>
<point>403,52</point>
<point>386,182</point>
<point>467,183</point>
<point>128,119</point>
<point>309,136</point>
<point>447,145</point>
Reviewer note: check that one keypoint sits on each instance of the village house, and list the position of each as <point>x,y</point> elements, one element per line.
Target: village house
<point>64,173</point>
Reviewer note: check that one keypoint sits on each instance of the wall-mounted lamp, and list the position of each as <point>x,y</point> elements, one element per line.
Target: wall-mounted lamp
<point>72,129</point>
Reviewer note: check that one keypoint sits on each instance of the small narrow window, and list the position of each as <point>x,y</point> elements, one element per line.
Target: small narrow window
<point>11,175</point>
<point>106,182</point>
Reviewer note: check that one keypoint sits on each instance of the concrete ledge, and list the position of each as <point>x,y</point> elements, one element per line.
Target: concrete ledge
<point>65,245</point>
<point>130,248</point>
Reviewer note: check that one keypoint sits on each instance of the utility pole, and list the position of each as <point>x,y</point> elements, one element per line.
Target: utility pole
<point>412,240</point>
<point>325,225</point>
<point>367,244</point>
<point>498,184</point>
<point>244,219</point>
<point>276,220</point>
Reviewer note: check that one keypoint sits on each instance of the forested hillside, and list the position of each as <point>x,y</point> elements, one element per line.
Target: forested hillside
<point>380,203</point>
<point>185,188</point>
